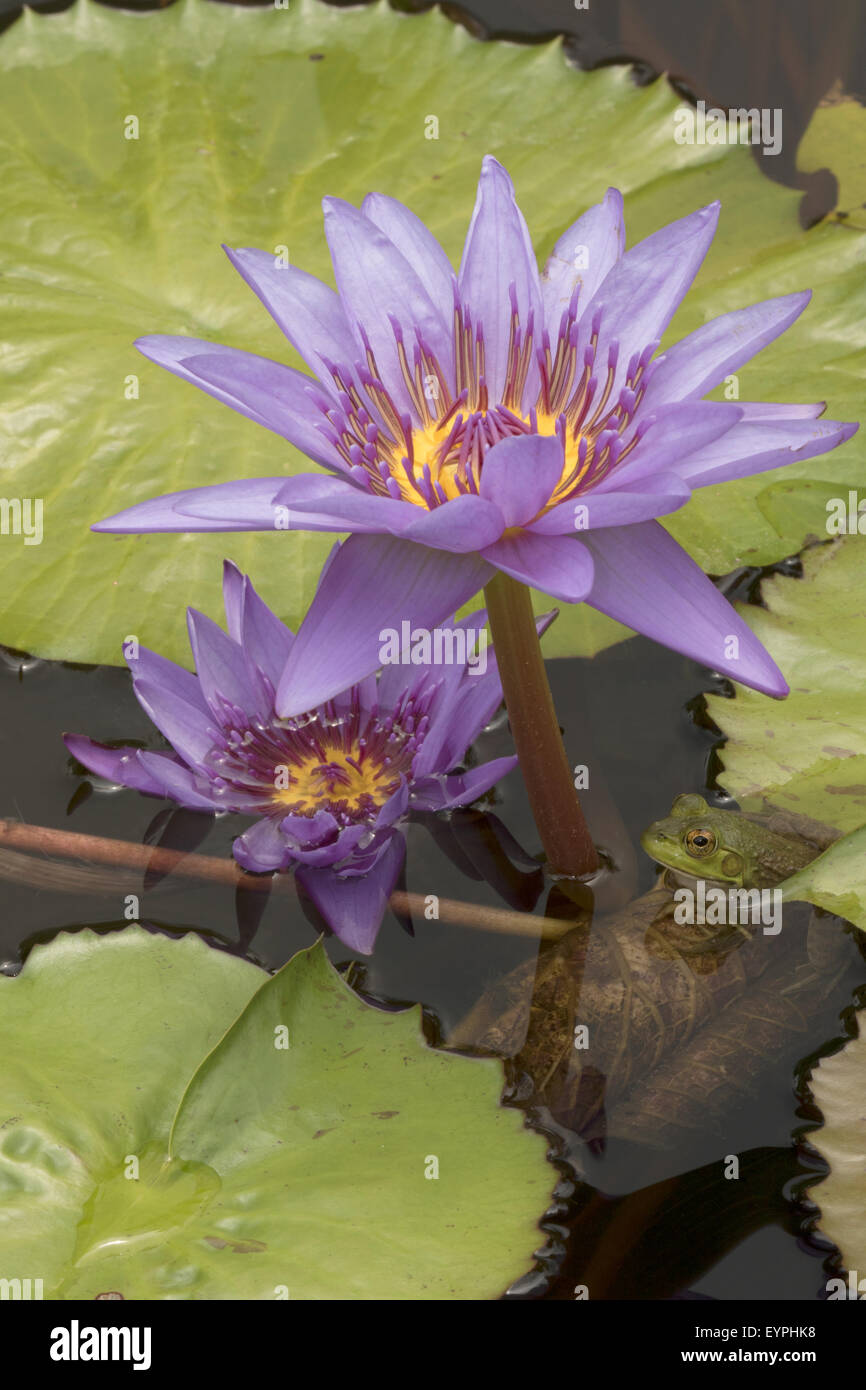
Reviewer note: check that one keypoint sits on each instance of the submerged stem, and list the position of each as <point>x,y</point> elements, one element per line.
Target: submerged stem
<point>39,841</point>
<point>534,726</point>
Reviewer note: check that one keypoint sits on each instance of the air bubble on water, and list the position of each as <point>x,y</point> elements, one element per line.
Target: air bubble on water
<point>104,787</point>
<point>18,663</point>
<point>498,721</point>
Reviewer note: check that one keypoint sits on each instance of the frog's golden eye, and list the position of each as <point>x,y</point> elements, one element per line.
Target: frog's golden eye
<point>700,843</point>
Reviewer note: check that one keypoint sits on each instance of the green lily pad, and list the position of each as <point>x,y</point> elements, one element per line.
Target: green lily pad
<point>836,880</point>
<point>166,1109</point>
<point>816,508</point>
<point>836,139</point>
<point>244,118</point>
<point>838,1084</point>
<point>807,753</point>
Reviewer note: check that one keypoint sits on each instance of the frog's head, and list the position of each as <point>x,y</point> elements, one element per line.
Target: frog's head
<point>698,840</point>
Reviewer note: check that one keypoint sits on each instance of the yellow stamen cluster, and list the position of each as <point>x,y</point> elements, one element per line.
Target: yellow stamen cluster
<point>357,785</point>
<point>437,453</point>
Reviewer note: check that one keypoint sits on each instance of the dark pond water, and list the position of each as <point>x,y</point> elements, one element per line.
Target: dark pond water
<point>641,1226</point>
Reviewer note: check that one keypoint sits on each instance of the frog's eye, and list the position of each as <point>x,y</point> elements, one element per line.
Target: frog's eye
<point>700,843</point>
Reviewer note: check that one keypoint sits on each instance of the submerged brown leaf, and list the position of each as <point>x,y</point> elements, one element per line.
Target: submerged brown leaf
<point>679,1021</point>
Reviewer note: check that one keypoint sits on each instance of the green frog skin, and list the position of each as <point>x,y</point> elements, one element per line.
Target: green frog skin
<point>700,841</point>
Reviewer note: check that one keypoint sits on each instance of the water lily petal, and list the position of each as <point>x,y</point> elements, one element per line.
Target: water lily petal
<point>178,782</point>
<point>259,507</point>
<point>253,624</point>
<point>754,446</point>
<point>244,505</point>
<point>676,433</point>
<point>647,581</point>
<point>267,392</point>
<point>172,680</point>
<point>394,807</point>
<point>386,579</point>
<point>768,410</point>
<point>419,246</point>
<point>353,906</point>
<point>334,851</point>
<point>621,506</point>
<point>278,397</point>
<point>582,257</point>
<point>497,254</point>
<point>639,297</point>
<point>118,765</point>
<point>379,290</point>
<point>307,310</point>
<point>224,670</point>
<point>233,599</point>
<point>701,360</point>
<point>558,565</point>
<point>479,698</point>
<point>310,832</point>
<point>187,728</point>
<point>399,679</point>
<point>350,508</point>
<point>451,711</point>
<point>444,793</point>
<point>464,524</point>
<point>267,640</point>
<point>262,849</point>
<point>520,474</point>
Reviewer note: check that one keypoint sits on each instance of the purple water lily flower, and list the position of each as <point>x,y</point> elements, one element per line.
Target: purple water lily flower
<point>496,419</point>
<point>329,788</point>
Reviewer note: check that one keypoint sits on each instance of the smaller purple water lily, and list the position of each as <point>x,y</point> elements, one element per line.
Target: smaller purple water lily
<point>328,788</point>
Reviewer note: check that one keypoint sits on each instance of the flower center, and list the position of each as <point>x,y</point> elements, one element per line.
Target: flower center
<point>348,762</point>
<point>437,452</point>
<point>347,782</point>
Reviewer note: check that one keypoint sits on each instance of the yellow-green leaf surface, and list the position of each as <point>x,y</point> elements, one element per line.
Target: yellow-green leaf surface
<point>817,508</point>
<point>838,1085</point>
<point>175,1123</point>
<point>836,880</point>
<point>836,139</point>
<point>244,119</point>
<point>807,753</point>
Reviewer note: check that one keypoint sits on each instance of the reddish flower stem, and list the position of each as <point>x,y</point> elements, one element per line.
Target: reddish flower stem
<point>549,779</point>
<point>39,841</point>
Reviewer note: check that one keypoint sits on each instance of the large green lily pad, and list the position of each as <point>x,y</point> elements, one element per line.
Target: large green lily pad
<point>807,753</point>
<point>245,118</point>
<point>175,1123</point>
<point>838,1085</point>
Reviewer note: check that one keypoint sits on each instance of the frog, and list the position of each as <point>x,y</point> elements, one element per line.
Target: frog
<point>697,840</point>
<point>728,849</point>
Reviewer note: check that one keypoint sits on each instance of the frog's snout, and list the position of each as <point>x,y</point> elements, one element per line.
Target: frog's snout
<point>656,842</point>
